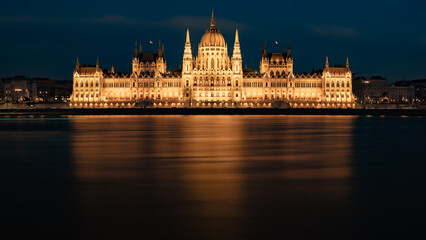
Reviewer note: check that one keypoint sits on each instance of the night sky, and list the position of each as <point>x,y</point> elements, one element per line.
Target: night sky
<point>43,38</point>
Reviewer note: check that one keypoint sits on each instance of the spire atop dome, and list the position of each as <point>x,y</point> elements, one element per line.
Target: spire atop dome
<point>212,21</point>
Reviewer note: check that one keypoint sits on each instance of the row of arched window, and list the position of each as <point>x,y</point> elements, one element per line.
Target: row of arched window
<point>338,84</point>
<point>86,84</point>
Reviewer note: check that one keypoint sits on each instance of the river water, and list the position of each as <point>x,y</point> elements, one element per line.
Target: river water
<point>213,177</point>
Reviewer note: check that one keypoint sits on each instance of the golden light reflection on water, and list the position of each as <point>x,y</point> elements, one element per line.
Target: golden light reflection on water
<point>207,165</point>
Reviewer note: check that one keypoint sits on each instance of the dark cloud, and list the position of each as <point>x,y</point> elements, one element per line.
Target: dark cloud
<point>44,37</point>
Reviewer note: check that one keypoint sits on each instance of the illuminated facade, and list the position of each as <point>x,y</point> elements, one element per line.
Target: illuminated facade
<point>212,79</point>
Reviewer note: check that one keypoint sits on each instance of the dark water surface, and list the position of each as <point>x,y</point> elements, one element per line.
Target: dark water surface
<point>213,177</point>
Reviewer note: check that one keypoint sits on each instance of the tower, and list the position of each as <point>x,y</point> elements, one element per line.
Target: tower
<point>237,62</point>
<point>187,56</point>
<point>289,59</point>
<point>264,62</point>
<point>77,66</point>
<point>161,62</point>
<point>135,60</point>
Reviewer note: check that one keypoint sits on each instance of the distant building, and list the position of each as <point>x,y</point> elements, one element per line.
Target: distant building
<point>402,94</point>
<point>419,88</point>
<point>373,90</point>
<point>45,90</point>
<point>19,89</point>
<point>376,89</point>
<point>63,91</point>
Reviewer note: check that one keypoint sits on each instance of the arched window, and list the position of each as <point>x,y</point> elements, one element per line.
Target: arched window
<point>236,83</point>
<point>272,73</point>
<point>332,84</point>
<point>76,84</point>
<point>266,84</point>
<point>337,84</point>
<point>347,84</point>
<point>187,83</point>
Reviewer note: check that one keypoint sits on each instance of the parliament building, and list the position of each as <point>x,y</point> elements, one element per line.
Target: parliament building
<point>212,79</point>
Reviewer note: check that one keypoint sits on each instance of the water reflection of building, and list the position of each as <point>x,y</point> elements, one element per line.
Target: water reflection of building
<point>206,174</point>
<point>212,79</point>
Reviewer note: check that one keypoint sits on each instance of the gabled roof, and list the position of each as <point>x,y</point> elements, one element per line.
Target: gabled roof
<point>148,57</point>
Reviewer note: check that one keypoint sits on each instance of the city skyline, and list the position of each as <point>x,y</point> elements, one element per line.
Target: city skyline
<point>380,39</point>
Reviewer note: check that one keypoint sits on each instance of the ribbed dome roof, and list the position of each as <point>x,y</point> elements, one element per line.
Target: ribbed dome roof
<point>212,37</point>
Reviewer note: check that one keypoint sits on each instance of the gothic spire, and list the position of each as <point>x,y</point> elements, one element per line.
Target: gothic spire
<point>97,62</point>
<point>289,50</point>
<point>77,65</point>
<point>212,21</point>
<point>326,62</point>
<point>237,50</point>
<point>187,37</point>
<point>265,51</point>
<point>237,39</point>
<point>162,49</point>
<point>136,48</point>
<point>160,54</point>
<point>347,62</point>
<point>140,48</point>
<point>187,53</point>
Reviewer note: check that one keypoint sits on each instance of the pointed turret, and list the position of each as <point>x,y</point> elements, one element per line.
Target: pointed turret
<point>289,50</point>
<point>187,41</point>
<point>187,54</point>
<point>347,62</point>
<point>326,63</point>
<point>112,69</point>
<point>136,49</point>
<point>264,51</point>
<point>140,48</point>
<point>237,50</point>
<point>162,49</point>
<point>236,55</point>
<point>97,62</point>
<point>160,54</point>
<point>77,65</point>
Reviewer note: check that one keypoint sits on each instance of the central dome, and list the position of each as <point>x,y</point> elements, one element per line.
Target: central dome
<point>212,37</point>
